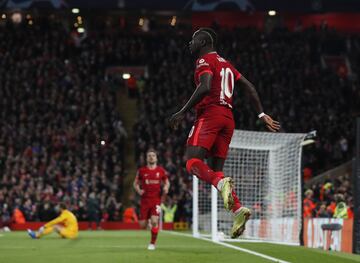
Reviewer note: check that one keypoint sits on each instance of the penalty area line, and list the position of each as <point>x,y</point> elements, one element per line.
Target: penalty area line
<point>231,246</point>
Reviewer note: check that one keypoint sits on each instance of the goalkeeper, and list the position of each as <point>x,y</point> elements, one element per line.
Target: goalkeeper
<point>65,225</point>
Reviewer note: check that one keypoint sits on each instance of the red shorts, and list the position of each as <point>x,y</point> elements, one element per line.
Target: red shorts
<point>149,208</point>
<point>213,130</point>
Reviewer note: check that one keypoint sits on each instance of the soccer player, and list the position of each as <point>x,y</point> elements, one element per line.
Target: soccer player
<point>65,225</point>
<point>147,184</point>
<point>211,134</point>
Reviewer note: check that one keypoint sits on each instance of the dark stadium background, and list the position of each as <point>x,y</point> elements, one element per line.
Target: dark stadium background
<point>74,128</point>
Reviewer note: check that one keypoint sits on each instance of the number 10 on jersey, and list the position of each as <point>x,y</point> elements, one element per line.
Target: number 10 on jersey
<point>227,83</point>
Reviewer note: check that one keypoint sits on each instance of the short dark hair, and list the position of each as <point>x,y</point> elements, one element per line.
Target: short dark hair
<point>62,205</point>
<point>151,150</point>
<point>211,35</point>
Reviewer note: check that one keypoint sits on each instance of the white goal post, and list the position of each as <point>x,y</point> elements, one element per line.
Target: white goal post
<point>266,169</point>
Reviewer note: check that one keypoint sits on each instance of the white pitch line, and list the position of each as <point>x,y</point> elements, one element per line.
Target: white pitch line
<point>263,241</point>
<point>251,252</point>
<point>233,247</point>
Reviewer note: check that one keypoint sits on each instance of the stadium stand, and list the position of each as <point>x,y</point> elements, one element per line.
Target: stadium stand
<point>330,198</point>
<point>57,108</point>
<point>61,138</point>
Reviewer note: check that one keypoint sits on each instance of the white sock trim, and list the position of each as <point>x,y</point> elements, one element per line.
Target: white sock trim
<point>220,184</point>
<point>237,211</point>
<point>41,230</point>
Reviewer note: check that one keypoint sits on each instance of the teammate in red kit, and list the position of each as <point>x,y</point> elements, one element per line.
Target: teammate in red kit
<point>148,185</point>
<point>214,126</point>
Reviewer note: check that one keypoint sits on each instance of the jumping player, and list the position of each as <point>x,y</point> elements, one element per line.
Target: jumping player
<point>148,185</point>
<point>212,131</point>
<point>65,225</point>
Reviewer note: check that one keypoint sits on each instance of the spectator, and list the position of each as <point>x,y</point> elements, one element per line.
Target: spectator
<point>341,210</point>
<point>130,215</point>
<point>93,209</point>
<point>5,217</point>
<point>18,216</point>
<point>169,211</point>
<point>113,206</point>
<point>323,213</point>
<point>308,204</point>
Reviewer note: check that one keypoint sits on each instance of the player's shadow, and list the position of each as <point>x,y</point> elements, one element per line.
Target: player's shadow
<point>71,242</point>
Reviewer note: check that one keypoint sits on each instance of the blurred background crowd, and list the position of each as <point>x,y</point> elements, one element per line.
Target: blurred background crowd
<point>62,138</point>
<point>330,198</point>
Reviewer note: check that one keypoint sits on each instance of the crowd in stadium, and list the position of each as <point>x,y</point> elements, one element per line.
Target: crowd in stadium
<point>330,198</point>
<point>62,139</point>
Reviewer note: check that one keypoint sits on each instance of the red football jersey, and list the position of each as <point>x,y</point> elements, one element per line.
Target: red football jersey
<point>150,181</point>
<point>223,77</point>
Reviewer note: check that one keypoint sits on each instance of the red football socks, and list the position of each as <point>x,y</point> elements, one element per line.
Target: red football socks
<point>154,233</point>
<point>202,171</point>
<point>237,203</point>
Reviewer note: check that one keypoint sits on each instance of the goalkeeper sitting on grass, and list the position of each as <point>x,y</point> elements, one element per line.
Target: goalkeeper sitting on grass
<point>65,225</point>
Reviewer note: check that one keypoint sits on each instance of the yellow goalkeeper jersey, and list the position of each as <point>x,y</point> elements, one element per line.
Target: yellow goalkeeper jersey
<point>67,219</point>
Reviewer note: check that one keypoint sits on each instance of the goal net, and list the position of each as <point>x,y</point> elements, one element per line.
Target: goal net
<point>266,168</point>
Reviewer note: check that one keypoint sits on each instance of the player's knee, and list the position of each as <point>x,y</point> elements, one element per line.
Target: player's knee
<point>154,223</point>
<point>190,162</point>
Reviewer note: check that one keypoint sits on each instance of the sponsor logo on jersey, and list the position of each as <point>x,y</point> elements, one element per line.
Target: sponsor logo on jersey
<point>148,181</point>
<point>157,174</point>
<point>201,63</point>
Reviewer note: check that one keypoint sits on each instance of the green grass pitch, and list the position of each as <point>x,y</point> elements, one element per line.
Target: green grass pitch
<point>130,246</point>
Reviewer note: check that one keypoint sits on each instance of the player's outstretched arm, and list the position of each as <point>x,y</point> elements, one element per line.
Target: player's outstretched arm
<point>200,92</point>
<point>55,221</point>
<point>251,92</point>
